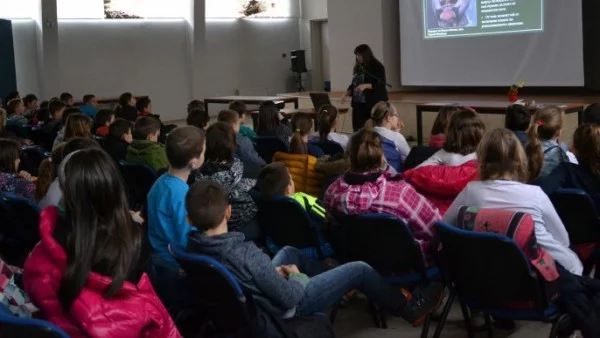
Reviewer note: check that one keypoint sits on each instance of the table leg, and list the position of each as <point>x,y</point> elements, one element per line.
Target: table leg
<point>419,126</point>
<point>296,104</point>
<point>579,117</point>
<point>206,107</point>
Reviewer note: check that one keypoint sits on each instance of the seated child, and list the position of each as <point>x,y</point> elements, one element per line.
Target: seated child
<point>31,105</point>
<point>517,120</point>
<point>144,106</point>
<point>302,124</point>
<point>292,284</point>
<point>386,122</point>
<point>167,221</point>
<point>328,122</point>
<point>16,113</point>
<point>591,113</point>
<point>223,167</point>
<point>126,108</point>
<point>67,99</point>
<point>543,149</point>
<point>145,147</point>
<point>76,125</point>
<point>19,183</point>
<point>104,118</point>
<point>198,118</point>
<point>244,148</point>
<point>438,130</point>
<point>89,106</point>
<point>240,108</point>
<point>119,138</point>
<point>272,123</point>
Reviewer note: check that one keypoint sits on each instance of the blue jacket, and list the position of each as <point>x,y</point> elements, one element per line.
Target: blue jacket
<point>247,154</point>
<point>88,110</point>
<point>253,270</point>
<point>554,155</point>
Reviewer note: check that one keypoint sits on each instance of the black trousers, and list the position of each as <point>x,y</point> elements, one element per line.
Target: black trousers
<point>580,298</point>
<point>361,113</point>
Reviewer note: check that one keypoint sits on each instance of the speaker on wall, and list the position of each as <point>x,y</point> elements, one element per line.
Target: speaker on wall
<point>298,61</point>
<point>8,73</point>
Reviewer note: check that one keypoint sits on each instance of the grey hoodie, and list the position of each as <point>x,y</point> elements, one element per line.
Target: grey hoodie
<point>253,270</point>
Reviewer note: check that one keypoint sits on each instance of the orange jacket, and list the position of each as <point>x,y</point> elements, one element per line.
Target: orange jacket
<point>302,168</point>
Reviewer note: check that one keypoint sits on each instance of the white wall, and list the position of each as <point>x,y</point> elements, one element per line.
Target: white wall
<point>25,44</point>
<point>310,10</point>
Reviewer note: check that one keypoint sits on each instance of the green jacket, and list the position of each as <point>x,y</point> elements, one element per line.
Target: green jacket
<point>150,153</point>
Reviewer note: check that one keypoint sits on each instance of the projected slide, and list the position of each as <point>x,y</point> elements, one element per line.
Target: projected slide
<point>462,18</point>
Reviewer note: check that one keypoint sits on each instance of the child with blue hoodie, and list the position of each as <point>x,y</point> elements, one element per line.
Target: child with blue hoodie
<point>291,284</point>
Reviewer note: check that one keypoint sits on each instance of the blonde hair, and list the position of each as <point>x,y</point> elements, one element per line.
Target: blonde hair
<point>78,125</point>
<point>546,124</point>
<point>365,151</point>
<point>501,156</point>
<point>379,113</point>
<point>587,146</point>
<point>464,132</point>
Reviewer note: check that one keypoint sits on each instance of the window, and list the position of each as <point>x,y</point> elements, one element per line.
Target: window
<point>122,9</point>
<point>18,9</point>
<point>246,8</point>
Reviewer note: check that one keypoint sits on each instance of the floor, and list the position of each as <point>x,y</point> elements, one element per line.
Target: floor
<point>355,321</point>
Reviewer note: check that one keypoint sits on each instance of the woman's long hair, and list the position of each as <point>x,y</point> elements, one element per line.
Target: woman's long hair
<point>302,125</point>
<point>328,115</point>
<point>268,119</point>
<point>546,124</point>
<point>368,58</point>
<point>101,237</point>
<point>501,156</point>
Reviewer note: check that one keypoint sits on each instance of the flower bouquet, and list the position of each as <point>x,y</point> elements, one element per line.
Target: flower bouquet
<point>513,91</point>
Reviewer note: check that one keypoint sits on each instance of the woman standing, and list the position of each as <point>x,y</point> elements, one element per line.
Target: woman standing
<point>367,87</point>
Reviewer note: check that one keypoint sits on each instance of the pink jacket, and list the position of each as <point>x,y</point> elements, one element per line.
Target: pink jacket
<point>135,311</point>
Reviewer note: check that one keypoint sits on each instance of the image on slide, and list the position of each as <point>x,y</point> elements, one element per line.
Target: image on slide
<point>444,14</point>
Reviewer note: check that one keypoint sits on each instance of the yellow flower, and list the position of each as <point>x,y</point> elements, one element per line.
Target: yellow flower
<point>521,84</point>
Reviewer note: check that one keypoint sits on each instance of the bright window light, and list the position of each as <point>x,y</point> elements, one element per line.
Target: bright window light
<point>18,9</point>
<point>98,9</point>
<point>234,9</point>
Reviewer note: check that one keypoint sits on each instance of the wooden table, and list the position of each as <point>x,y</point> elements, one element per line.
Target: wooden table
<point>489,107</point>
<point>285,112</point>
<point>253,100</point>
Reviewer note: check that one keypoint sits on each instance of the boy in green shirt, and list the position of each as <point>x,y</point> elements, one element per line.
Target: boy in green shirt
<point>145,147</point>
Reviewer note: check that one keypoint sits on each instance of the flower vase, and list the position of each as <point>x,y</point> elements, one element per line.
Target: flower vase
<point>513,96</point>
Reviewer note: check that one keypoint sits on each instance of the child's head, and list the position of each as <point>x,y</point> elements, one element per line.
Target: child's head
<point>47,171</point>
<point>208,206</point>
<point>365,151</point>
<point>12,95</point>
<point>240,108</point>
<point>42,115</point>
<point>67,98</point>
<point>90,100</point>
<point>268,118</point>
<point>30,101</point>
<point>194,105</point>
<point>146,128</point>
<point>464,132</point>
<point>501,157</point>
<point>127,99</point>
<point>15,107</point>
<point>546,124</point>
<point>121,129</point>
<point>68,112</point>
<point>56,109</point>
<point>440,125</point>
<point>591,113</point>
<point>383,115</point>
<point>220,143</point>
<point>101,237</point>
<point>302,125</point>
<point>198,118</point>
<point>185,148</point>
<point>275,180</point>
<point>104,117</point>
<point>230,117</point>
<point>144,105</point>
<point>328,116</point>
<point>78,125</point>
<point>518,118</point>
<point>10,155</point>
<point>586,146</point>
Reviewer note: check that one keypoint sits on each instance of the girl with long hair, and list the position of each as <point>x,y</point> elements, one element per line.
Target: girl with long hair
<point>76,125</point>
<point>272,123</point>
<point>12,180</point>
<point>440,125</point>
<point>328,122</point>
<point>302,125</point>
<point>84,274</point>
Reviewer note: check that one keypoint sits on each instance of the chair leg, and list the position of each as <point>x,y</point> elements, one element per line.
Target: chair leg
<point>375,312</point>
<point>442,322</point>
<point>488,325</point>
<point>556,326</point>
<point>333,313</point>
<point>425,329</point>
<point>467,318</point>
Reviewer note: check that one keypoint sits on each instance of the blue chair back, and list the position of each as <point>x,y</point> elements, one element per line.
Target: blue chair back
<point>392,156</point>
<point>383,241</point>
<point>12,326</point>
<point>491,271</point>
<point>19,226</point>
<point>286,222</point>
<point>267,146</point>
<point>138,179</point>
<point>32,157</point>
<point>329,148</point>
<point>579,215</point>
<point>418,155</point>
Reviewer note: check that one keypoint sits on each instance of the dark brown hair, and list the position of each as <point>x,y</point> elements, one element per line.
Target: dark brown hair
<point>239,107</point>
<point>545,125</point>
<point>302,124</point>
<point>518,118</point>
<point>12,105</point>
<point>367,55</point>
<point>145,126</point>
<point>464,132</point>
<point>273,179</point>
<point>328,115</point>
<point>586,142</point>
<point>206,204</point>
<point>442,119</point>
<point>103,116</point>
<point>78,125</point>
<point>196,105</point>
<point>198,118</point>
<point>220,142</point>
<point>184,144</point>
<point>268,119</point>
<point>10,151</point>
<point>119,127</point>
<point>48,171</point>
<point>54,107</point>
<point>365,151</point>
<point>228,116</point>
<point>501,156</point>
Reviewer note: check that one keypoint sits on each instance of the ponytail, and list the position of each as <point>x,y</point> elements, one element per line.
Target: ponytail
<point>327,117</point>
<point>302,124</point>
<point>370,125</point>
<point>48,172</point>
<point>297,145</point>
<point>534,151</point>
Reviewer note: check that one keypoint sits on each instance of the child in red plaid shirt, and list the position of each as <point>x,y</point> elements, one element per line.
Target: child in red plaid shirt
<point>369,188</point>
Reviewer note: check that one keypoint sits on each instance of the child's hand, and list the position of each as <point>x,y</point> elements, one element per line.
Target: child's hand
<point>290,269</point>
<point>281,272</point>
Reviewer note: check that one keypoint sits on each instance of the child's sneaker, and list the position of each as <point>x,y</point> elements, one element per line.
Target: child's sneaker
<point>426,301</point>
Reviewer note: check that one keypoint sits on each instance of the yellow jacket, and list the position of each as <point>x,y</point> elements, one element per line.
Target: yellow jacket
<point>302,168</point>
